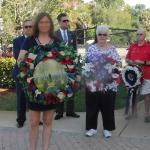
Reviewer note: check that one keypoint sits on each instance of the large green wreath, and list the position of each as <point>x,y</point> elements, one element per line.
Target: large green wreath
<point>53,54</point>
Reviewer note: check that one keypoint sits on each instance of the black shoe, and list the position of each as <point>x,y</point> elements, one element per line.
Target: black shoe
<point>40,123</point>
<point>57,117</point>
<point>74,115</point>
<point>20,124</point>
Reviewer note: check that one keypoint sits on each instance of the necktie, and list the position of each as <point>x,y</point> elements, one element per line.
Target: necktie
<point>65,37</point>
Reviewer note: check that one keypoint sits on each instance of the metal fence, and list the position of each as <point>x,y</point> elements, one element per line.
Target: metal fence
<point>118,37</point>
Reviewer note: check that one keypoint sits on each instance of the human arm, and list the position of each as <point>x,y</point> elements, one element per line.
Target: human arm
<point>21,56</point>
<point>16,48</point>
<point>23,51</point>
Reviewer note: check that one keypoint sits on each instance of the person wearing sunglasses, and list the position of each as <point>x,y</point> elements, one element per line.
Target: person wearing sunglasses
<point>69,39</point>
<point>139,54</point>
<point>21,99</point>
<point>101,87</point>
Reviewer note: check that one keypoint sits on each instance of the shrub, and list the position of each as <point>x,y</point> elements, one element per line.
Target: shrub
<point>6,66</point>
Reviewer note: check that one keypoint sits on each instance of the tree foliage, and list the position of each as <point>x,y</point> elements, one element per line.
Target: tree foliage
<point>144,19</point>
<point>113,13</point>
<point>15,11</point>
<point>13,14</point>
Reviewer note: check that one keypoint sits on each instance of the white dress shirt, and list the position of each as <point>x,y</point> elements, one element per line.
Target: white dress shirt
<point>62,33</point>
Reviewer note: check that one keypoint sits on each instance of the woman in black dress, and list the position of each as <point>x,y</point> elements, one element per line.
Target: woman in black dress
<point>42,35</point>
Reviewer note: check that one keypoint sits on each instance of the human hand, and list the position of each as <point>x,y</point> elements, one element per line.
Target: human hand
<point>139,62</point>
<point>130,62</point>
<point>19,61</point>
<point>147,62</point>
<point>29,79</point>
<point>21,56</point>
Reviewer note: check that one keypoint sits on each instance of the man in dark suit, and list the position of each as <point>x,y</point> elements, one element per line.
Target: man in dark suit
<point>69,38</point>
<point>21,99</point>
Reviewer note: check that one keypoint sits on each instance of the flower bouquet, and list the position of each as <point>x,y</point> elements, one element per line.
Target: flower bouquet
<point>48,73</point>
<point>101,72</point>
<point>132,76</point>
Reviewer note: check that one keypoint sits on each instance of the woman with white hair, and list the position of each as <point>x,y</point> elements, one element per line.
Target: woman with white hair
<point>101,83</point>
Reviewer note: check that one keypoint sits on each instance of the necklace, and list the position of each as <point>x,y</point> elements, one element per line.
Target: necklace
<point>39,43</point>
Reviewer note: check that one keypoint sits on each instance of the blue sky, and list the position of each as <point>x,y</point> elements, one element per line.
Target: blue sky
<point>134,2</point>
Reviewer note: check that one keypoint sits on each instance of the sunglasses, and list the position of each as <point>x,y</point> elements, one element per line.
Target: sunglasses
<point>102,34</point>
<point>139,34</point>
<point>27,27</point>
<point>65,20</point>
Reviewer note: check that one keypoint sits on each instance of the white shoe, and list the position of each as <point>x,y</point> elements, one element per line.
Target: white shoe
<point>91,132</point>
<point>107,134</point>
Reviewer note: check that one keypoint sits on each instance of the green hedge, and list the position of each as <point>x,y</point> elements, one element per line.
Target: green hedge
<point>8,101</point>
<point>6,66</point>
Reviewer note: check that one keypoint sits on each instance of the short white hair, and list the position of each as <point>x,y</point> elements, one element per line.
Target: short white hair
<point>141,30</point>
<point>102,29</point>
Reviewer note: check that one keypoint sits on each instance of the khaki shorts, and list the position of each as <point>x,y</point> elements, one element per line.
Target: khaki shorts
<point>145,88</point>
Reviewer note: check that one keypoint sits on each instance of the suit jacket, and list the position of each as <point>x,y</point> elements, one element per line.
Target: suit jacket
<point>17,44</point>
<point>71,38</point>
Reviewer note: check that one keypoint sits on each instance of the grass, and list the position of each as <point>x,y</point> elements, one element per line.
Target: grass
<point>120,99</point>
<point>8,100</point>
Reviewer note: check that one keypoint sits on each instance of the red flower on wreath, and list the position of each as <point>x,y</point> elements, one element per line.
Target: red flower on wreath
<point>74,86</point>
<point>72,70</point>
<point>47,58</point>
<point>30,86</point>
<point>57,100</point>
<point>67,61</point>
<point>49,97</point>
<point>66,93</point>
<point>29,60</point>
<point>111,60</point>
<point>63,61</point>
<point>55,53</point>
<point>25,70</point>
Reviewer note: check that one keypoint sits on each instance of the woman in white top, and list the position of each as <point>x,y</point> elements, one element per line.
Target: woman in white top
<point>101,85</point>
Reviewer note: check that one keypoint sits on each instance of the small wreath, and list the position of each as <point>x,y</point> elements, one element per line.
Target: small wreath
<point>132,76</point>
<point>51,85</point>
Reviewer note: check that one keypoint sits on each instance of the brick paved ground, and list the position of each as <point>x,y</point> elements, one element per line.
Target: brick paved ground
<point>68,134</point>
<point>17,139</point>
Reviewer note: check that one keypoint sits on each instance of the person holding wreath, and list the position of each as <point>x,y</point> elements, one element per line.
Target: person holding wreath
<point>68,38</point>
<point>47,73</point>
<point>21,99</point>
<point>139,54</point>
<point>101,77</point>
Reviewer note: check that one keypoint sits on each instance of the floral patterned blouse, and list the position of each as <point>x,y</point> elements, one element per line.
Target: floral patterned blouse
<point>101,68</point>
